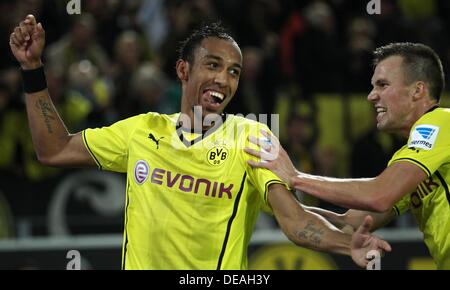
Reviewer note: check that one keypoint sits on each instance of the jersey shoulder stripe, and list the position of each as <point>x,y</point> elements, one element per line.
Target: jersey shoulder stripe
<point>86,144</point>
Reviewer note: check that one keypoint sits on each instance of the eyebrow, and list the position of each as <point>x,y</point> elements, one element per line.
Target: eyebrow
<point>380,81</point>
<point>218,58</point>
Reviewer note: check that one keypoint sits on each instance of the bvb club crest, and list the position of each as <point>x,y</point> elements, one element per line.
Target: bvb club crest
<point>217,155</point>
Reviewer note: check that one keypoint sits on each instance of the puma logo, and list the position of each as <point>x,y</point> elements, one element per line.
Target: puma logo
<point>153,138</point>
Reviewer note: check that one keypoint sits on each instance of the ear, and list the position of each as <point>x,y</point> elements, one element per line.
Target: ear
<point>182,67</point>
<point>420,90</point>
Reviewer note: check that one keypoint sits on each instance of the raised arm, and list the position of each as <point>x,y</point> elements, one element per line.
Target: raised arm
<point>54,145</point>
<point>311,230</point>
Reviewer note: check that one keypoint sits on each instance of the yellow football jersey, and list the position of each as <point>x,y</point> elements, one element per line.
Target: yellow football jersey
<point>190,203</point>
<point>429,148</point>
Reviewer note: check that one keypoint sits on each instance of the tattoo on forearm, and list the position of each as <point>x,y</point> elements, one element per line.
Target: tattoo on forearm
<point>311,233</point>
<point>46,109</point>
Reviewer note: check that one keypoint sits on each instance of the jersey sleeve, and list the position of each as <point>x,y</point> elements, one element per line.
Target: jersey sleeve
<point>428,145</point>
<point>108,146</point>
<point>261,178</point>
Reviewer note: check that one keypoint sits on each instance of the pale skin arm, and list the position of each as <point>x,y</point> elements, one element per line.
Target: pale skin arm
<point>334,218</point>
<point>353,218</point>
<point>311,230</point>
<point>377,194</point>
<point>54,145</point>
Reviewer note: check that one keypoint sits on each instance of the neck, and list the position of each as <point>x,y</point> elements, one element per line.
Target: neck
<point>193,119</point>
<point>427,107</point>
<point>422,110</point>
<point>432,107</point>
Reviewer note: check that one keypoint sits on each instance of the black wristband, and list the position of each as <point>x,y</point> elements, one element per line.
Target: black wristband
<point>34,80</point>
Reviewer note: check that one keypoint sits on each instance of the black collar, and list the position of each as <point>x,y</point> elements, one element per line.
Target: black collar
<point>432,109</point>
<point>179,128</point>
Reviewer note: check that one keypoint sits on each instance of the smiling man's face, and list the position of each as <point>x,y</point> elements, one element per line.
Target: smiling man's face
<point>212,79</point>
<point>392,96</point>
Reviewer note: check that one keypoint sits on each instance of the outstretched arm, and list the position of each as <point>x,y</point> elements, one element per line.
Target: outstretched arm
<point>54,145</point>
<point>311,230</point>
<point>352,219</point>
<point>377,194</point>
<point>373,194</point>
<point>336,219</point>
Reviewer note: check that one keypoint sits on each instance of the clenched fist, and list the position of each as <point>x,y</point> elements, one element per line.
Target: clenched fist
<point>27,43</point>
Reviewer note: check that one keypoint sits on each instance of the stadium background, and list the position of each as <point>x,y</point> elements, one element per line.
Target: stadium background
<point>308,61</point>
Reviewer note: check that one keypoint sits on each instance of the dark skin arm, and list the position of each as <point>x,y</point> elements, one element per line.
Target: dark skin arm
<point>310,230</point>
<point>54,145</point>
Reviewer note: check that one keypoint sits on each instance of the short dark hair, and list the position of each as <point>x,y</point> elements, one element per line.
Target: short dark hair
<point>189,45</point>
<point>420,63</point>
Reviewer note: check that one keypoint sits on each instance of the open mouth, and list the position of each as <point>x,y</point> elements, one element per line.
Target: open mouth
<point>214,97</point>
<point>217,97</point>
<point>380,112</point>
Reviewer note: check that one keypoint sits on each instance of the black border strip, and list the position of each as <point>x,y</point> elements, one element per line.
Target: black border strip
<point>415,161</point>
<point>444,184</point>
<point>179,130</point>
<point>269,183</point>
<point>126,231</point>
<point>90,151</point>
<point>397,211</point>
<point>230,221</point>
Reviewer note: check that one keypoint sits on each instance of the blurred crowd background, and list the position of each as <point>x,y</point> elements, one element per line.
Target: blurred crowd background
<point>307,60</point>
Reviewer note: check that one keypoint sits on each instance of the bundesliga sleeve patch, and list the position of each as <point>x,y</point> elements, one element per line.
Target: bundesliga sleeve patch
<point>423,137</point>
